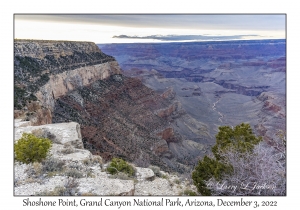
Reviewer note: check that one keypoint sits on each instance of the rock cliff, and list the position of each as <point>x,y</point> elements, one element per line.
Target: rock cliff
<point>122,117</point>
<point>46,70</point>
<point>62,81</point>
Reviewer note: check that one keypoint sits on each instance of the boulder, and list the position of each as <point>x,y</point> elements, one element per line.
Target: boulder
<point>60,133</point>
<point>144,174</point>
<point>58,151</point>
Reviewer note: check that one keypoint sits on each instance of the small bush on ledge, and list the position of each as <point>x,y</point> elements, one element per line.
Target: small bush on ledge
<point>118,165</point>
<point>156,171</point>
<point>30,148</point>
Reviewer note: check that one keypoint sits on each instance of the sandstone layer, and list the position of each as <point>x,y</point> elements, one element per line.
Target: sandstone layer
<point>62,83</point>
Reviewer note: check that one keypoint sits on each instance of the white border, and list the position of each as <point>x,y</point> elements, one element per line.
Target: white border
<point>156,6</point>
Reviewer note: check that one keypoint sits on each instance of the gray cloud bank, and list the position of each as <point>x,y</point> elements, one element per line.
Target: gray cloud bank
<point>178,21</point>
<point>186,37</point>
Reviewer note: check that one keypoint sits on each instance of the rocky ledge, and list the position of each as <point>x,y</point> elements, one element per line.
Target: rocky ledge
<point>71,170</point>
<point>46,70</point>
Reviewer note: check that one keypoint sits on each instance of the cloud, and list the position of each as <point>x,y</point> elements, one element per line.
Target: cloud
<point>178,21</point>
<point>185,37</point>
<point>141,27</point>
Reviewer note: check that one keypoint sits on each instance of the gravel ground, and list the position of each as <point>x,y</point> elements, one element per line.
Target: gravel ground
<point>33,188</point>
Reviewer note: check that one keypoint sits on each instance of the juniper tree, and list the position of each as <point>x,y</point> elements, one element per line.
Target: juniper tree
<point>240,139</point>
<point>30,148</point>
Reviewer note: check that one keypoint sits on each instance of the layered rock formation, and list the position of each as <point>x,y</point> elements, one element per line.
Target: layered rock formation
<point>46,70</point>
<point>61,81</point>
<point>204,61</point>
<point>217,83</point>
<point>121,117</point>
<point>117,118</point>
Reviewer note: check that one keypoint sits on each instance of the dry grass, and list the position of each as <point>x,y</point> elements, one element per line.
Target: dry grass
<point>70,188</point>
<point>73,173</point>
<point>68,149</point>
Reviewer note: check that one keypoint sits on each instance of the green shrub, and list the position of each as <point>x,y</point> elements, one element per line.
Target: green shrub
<point>206,169</point>
<point>240,138</point>
<point>31,149</point>
<point>118,165</point>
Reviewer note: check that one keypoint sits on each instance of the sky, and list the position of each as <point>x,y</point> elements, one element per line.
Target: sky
<point>116,28</point>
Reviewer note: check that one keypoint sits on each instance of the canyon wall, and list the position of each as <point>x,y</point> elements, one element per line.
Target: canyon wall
<point>62,81</point>
<point>46,70</point>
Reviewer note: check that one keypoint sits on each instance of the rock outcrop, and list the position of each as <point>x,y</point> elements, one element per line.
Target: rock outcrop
<point>62,83</point>
<point>71,170</point>
<point>63,133</point>
<point>144,174</point>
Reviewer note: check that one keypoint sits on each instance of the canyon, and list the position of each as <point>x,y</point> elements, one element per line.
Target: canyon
<point>217,83</point>
<point>151,104</point>
<point>158,103</point>
<point>62,81</point>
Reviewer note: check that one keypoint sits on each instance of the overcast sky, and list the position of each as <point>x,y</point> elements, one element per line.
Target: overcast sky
<point>148,28</point>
